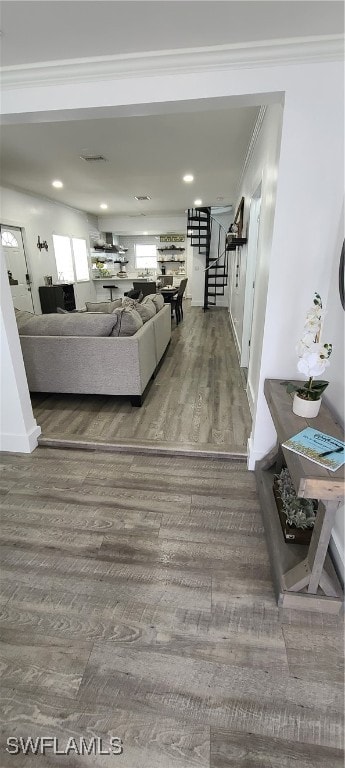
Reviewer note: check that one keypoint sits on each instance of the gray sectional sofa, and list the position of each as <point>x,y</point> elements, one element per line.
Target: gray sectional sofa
<point>83,353</point>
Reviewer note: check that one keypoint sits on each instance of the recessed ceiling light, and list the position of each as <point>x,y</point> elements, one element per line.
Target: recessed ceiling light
<point>197,202</point>
<point>145,233</point>
<point>188,177</point>
<point>57,184</point>
<point>103,206</point>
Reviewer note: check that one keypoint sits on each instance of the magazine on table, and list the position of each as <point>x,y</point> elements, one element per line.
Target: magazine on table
<point>323,449</point>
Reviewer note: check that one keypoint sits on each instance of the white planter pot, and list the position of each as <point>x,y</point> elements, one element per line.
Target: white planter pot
<point>306,408</point>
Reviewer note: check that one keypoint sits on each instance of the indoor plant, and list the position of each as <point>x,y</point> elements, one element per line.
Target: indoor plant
<point>313,359</point>
<point>297,516</point>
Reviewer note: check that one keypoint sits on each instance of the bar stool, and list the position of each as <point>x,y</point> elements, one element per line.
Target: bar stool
<point>111,288</point>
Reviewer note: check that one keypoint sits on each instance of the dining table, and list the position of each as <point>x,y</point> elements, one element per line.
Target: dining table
<point>168,293</point>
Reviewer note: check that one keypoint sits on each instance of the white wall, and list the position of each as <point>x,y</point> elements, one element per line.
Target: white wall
<point>262,169</point>
<point>39,216</point>
<point>18,428</point>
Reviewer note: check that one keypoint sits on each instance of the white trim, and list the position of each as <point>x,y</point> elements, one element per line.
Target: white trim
<point>253,456</point>
<point>250,398</point>
<point>235,334</point>
<point>25,443</point>
<point>248,55</point>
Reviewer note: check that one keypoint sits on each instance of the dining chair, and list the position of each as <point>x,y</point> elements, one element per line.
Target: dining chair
<point>166,280</point>
<point>145,287</point>
<point>176,301</point>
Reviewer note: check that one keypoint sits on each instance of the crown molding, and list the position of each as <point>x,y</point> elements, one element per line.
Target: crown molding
<point>265,53</point>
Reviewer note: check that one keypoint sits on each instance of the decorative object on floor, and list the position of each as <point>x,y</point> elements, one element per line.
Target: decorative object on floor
<point>325,450</point>
<point>313,359</point>
<point>297,516</point>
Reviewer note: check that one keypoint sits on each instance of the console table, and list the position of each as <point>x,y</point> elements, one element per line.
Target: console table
<point>304,577</point>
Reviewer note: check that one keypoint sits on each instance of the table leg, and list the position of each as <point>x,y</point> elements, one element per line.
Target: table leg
<point>310,571</point>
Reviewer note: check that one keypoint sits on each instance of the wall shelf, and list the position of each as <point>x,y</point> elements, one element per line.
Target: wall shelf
<point>163,250</point>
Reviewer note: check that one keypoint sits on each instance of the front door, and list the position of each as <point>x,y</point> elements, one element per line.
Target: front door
<point>17,269</point>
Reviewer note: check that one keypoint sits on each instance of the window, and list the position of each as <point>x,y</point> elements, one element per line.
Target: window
<point>71,259</point>
<point>8,240</point>
<point>81,265</point>
<point>63,258</point>
<point>145,257</point>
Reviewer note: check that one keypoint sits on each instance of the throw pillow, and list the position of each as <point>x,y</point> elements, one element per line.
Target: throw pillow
<point>146,311</point>
<point>107,307</point>
<point>149,300</point>
<point>157,299</point>
<point>22,317</point>
<point>128,322</point>
<point>72,324</point>
<point>129,302</point>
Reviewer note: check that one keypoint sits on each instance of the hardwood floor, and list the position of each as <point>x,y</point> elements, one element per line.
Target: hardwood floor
<point>197,400</point>
<point>136,601</point>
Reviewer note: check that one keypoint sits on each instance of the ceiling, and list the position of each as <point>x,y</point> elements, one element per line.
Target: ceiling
<point>145,155</point>
<point>48,31</point>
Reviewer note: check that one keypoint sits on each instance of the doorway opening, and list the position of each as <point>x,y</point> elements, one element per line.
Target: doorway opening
<point>249,293</point>
<point>17,267</point>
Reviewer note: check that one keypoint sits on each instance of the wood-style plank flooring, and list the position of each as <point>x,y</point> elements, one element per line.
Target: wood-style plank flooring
<point>197,399</point>
<point>136,601</point>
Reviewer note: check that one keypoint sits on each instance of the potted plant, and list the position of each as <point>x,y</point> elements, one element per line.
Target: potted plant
<point>313,359</point>
<point>297,516</point>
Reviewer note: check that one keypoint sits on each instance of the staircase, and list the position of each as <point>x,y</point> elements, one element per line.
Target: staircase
<point>209,236</point>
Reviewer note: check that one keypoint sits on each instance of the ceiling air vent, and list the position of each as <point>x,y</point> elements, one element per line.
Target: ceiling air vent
<point>142,197</point>
<point>93,158</point>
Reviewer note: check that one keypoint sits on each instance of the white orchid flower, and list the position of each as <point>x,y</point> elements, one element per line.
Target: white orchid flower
<point>305,343</point>
<point>314,360</point>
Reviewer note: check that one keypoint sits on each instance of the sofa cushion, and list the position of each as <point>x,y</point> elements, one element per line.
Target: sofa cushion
<point>84,324</point>
<point>22,317</point>
<point>128,322</point>
<point>146,311</point>
<point>156,298</point>
<point>103,306</point>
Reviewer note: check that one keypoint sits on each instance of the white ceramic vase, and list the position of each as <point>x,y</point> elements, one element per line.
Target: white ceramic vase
<point>306,408</point>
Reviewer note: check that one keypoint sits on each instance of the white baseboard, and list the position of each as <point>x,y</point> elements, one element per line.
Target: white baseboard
<point>250,455</point>
<point>250,397</point>
<point>234,331</point>
<point>25,443</point>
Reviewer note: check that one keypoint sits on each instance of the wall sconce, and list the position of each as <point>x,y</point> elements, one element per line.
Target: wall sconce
<point>40,245</point>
